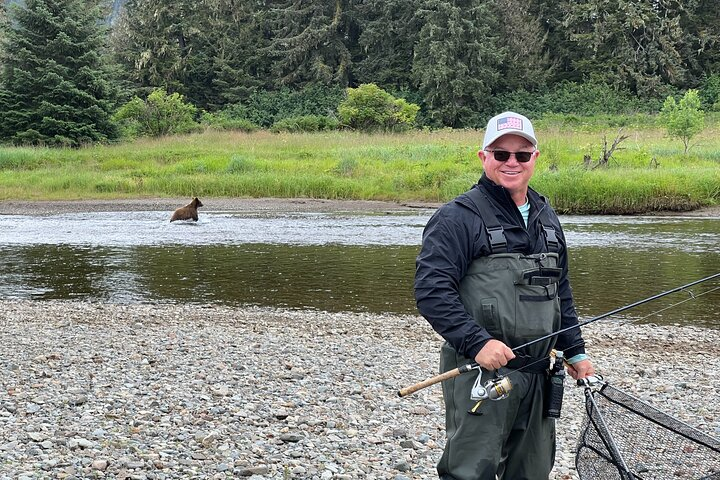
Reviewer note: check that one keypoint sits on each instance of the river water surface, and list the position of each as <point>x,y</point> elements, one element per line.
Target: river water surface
<point>335,262</point>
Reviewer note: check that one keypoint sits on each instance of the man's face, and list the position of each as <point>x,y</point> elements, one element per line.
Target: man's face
<point>512,175</point>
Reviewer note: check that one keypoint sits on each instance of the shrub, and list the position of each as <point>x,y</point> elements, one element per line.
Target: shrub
<point>683,119</point>
<point>305,123</point>
<point>588,98</point>
<point>160,114</point>
<point>223,121</point>
<point>265,108</point>
<point>370,108</point>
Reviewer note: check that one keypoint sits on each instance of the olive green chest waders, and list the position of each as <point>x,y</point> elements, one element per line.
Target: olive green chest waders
<point>514,297</point>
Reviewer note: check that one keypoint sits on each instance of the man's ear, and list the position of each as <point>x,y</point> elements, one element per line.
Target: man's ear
<point>481,155</point>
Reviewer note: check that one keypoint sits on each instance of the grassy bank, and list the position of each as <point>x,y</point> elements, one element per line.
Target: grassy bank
<point>649,173</point>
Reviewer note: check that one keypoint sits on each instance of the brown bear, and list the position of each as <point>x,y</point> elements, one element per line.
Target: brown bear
<point>188,211</point>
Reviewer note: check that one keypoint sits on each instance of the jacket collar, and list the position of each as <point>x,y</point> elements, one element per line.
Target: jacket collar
<point>502,196</point>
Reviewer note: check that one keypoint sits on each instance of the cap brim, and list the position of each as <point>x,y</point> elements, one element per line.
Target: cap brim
<point>519,133</point>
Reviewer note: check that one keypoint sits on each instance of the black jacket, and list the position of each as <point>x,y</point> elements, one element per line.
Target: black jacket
<point>454,236</point>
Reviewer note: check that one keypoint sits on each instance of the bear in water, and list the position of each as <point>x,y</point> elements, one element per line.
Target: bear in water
<point>188,211</point>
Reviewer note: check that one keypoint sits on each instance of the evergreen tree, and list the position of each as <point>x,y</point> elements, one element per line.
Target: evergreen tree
<point>701,23</point>
<point>390,30</point>
<point>311,42</point>
<point>55,89</point>
<point>205,50</point>
<point>456,61</point>
<point>526,64</point>
<point>152,39</point>
<point>633,44</point>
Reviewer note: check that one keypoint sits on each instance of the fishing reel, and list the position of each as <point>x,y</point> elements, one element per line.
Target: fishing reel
<point>493,389</point>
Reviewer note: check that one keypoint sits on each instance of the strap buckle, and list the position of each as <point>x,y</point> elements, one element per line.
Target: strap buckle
<point>551,239</point>
<point>497,238</point>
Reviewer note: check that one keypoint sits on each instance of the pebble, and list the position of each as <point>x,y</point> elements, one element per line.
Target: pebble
<point>142,391</point>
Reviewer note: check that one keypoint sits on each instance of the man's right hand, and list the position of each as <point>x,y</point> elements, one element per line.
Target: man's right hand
<point>493,355</point>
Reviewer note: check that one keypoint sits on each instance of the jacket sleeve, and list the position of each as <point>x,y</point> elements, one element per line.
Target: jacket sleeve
<point>447,250</point>
<point>570,342</point>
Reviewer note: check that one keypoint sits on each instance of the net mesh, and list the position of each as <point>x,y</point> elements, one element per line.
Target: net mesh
<point>625,438</point>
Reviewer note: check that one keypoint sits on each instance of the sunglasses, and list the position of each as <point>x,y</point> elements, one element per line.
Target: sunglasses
<point>504,156</point>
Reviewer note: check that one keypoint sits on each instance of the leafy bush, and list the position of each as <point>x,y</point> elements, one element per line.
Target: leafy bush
<point>305,123</point>
<point>265,108</point>
<point>222,121</point>
<point>589,98</point>
<point>370,108</point>
<point>683,119</point>
<point>160,114</point>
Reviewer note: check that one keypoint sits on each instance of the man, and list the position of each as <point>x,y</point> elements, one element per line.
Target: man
<point>492,275</point>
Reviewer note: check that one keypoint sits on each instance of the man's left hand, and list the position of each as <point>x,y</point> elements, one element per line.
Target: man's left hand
<point>581,369</point>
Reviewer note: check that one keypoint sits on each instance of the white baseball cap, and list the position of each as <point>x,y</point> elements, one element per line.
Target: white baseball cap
<point>509,123</point>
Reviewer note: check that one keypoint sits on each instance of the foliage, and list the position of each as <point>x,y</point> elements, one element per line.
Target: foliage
<point>305,123</point>
<point>54,88</point>
<point>639,46</point>
<point>385,58</point>
<point>580,99</point>
<point>456,61</point>
<point>710,93</point>
<point>268,107</point>
<point>370,108</point>
<point>311,42</point>
<point>461,61</point>
<point>160,114</point>
<point>203,50</point>
<point>526,49</point>
<point>683,119</point>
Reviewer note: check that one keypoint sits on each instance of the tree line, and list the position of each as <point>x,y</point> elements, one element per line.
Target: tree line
<point>64,69</point>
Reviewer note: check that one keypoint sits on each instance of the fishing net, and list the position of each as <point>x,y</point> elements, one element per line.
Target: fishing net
<point>625,438</point>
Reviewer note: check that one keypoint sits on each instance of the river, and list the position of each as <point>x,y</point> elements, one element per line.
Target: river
<point>349,261</point>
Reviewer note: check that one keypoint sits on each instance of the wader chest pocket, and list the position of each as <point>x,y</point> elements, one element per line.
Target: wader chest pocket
<point>539,276</point>
<point>537,293</point>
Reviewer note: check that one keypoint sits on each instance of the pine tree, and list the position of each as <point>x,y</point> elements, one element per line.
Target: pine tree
<point>205,50</point>
<point>390,31</point>
<point>634,45</point>
<point>456,61</point>
<point>55,87</point>
<point>311,42</point>
<point>527,64</point>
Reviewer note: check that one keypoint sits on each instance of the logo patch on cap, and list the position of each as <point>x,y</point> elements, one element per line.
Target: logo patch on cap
<point>509,122</point>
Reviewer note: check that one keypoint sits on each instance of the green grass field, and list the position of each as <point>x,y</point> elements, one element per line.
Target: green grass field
<point>649,171</point>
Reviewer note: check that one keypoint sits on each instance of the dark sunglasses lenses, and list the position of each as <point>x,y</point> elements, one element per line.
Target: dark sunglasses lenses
<point>503,156</point>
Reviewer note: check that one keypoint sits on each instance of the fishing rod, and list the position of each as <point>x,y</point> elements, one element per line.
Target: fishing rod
<point>474,366</point>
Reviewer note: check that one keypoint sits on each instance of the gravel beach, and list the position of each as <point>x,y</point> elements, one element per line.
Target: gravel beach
<point>178,391</point>
<point>140,391</point>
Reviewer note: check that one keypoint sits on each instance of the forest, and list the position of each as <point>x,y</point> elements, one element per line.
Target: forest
<point>68,66</point>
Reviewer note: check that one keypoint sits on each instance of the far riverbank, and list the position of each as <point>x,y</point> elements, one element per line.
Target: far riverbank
<point>650,173</point>
<point>54,207</point>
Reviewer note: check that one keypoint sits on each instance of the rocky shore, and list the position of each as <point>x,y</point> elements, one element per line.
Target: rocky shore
<point>185,391</point>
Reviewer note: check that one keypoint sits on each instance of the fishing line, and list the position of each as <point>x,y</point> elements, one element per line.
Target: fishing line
<point>689,292</point>
<point>474,366</point>
<point>691,297</point>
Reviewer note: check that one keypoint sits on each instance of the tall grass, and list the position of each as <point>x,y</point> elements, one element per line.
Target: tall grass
<point>650,172</point>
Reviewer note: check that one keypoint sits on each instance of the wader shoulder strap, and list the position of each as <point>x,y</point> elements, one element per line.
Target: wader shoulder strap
<point>495,231</point>
<point>551,239</point>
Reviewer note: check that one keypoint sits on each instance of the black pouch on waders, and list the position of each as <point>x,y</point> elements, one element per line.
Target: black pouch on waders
<point>555,388</point>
